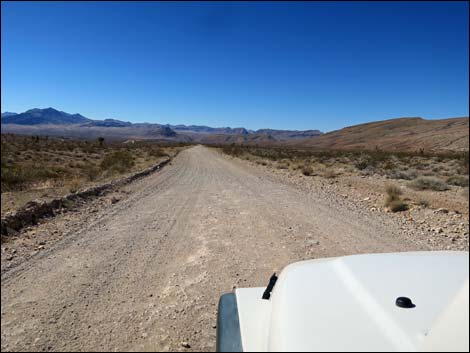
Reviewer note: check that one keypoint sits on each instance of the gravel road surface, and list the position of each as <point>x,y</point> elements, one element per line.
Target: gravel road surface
<point>147,274</point>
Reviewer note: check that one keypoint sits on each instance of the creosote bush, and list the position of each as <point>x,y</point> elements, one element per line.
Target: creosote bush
<point>403,174</point>
<point>429,183</point>
<point>458,180</point>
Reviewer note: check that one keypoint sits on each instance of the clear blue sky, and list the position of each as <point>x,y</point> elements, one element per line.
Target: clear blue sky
<point>280,65</point>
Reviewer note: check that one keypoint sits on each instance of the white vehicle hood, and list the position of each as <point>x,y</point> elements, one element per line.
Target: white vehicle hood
<point>348,304</point>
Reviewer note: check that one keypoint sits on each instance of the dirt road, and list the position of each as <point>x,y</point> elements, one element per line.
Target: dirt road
<point>148,273</point>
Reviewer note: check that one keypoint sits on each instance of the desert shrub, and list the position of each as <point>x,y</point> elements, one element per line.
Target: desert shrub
<point>447,173</point>
<point>458,180</point>
<point>465,161</point>
<point>398,206</point>
<point>75,184</point>
<point>17,177</point>
<point>409,174</point>
<point>388,165</point>
<point>393,200</point>
<point>12,177</point>
<point>362,164</point>
<point>89,149</point>
<point>393,192</point>
<point>233,150</point>
<point>370,170</point>
<point>307,170</point>
<point>429,183</point>
<point>282,166</point>
<point>119,161</point>
<point>90,171</point>
<point>423,203</point>
<point>157,152</point>
<point>40,172</point>
<point>428,173</point>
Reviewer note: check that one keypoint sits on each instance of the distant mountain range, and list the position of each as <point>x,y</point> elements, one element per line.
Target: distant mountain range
<point>394,134</point>
<point>53,122</point>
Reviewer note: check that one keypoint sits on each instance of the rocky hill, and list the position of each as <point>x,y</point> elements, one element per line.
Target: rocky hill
<point>397,134</point>
<point>43,116</point>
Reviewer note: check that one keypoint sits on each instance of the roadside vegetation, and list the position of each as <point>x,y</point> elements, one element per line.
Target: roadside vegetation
<point>40,166</point>
<point>450,168</point>
<point>429,183</point>
<point>393,200</point>
<point>417,172</point>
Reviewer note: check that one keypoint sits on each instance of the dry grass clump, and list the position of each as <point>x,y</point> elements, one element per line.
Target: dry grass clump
<point>429,183</point>
<point>393,200</point>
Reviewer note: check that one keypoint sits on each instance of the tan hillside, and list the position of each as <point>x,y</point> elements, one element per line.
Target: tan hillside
<point>398,134</point>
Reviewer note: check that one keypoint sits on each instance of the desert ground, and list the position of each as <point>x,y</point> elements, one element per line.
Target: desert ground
<point>143,267</point>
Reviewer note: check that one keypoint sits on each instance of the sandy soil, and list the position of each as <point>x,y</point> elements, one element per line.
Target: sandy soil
<point>145,273</point>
